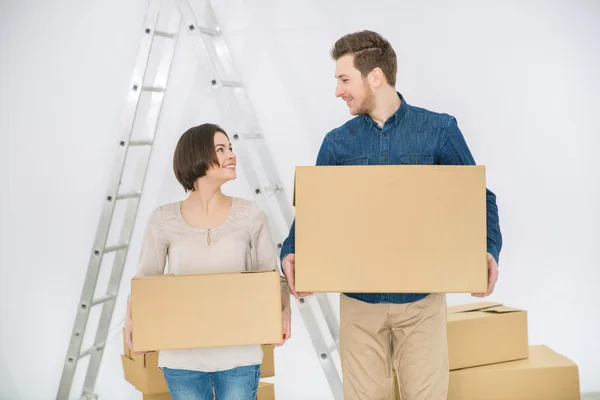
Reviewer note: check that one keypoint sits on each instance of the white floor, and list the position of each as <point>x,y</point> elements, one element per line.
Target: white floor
<point>590,396</point>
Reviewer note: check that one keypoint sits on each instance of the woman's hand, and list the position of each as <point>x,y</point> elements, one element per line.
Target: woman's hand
<point>129,332</point>
<point>286,318</point>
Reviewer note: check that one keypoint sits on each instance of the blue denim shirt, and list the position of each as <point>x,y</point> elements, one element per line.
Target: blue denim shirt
<point>412,135</point>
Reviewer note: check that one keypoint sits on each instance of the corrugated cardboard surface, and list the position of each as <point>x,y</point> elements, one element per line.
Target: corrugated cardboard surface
<point>206,310</point>
<point>485,333</point>
<point>544,375</point>
<point>400,228</point>
<point>267,368</point>
<point>266,391</point>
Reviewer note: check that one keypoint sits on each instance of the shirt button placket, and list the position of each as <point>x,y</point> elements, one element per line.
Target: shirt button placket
<point>384,147</point>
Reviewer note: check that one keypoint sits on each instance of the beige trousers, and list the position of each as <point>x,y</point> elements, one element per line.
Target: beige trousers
<point>376,339</point>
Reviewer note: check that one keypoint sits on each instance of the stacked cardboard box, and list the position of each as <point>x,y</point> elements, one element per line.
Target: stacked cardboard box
<point>491,359</point>
<point>210,310</point>
<point>141,370</point>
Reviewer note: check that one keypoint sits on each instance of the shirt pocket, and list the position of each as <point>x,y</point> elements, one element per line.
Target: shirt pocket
<point>416,159</point>
<point>356,161</point>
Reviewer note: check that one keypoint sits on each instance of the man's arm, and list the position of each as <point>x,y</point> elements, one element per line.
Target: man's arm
<point>325,157</point>
<point>454,151</point>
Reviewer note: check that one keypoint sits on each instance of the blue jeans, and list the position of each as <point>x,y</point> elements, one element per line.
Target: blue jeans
<point>239,383</point>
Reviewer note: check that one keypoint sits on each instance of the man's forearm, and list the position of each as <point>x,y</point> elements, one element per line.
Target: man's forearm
<point>288,246</point>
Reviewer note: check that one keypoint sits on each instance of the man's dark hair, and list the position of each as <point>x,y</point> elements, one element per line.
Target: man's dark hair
<point>195,153</point>
<point>370,50</point>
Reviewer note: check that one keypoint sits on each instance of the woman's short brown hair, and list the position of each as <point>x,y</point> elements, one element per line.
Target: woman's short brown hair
<point>195,153</point>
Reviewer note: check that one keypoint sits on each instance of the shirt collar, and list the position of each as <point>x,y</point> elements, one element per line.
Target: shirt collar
<point>396,116</point>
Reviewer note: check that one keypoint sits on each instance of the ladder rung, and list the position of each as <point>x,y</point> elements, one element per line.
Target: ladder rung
<point>103,299</point>
<point>130,195</point>
<point>273,188</point>
<point>165,34</point>
<point>116,247</point>
<point>333,347</point>
<point>207,31</point>
<point>232,84</point>
<point>248,136</point>
<point>153,89</point>
<point>89,351</point>
<point>141,143</point>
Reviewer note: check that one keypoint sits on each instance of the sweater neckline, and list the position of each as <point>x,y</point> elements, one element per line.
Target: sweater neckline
<point>230,217</point>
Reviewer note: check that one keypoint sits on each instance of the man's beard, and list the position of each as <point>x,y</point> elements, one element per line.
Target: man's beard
<point>368,103</point>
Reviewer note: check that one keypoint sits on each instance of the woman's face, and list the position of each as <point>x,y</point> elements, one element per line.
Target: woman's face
<point>225,171</point>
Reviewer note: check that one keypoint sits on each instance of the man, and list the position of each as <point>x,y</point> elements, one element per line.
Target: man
<point>386,331</point>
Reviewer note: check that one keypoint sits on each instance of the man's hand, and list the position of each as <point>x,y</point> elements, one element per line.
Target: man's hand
<point>492,277</point>
<point>289,270</point>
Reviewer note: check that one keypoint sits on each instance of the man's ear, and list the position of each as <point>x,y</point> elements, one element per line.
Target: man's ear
<point>376,77</point>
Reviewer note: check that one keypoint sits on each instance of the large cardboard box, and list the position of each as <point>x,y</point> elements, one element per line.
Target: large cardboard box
<point>545,375</point>
<point>206,310</point>
<point>400,228</point>
<point>485,333</point>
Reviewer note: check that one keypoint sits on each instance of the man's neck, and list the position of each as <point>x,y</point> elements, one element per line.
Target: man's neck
<point>386,105</point>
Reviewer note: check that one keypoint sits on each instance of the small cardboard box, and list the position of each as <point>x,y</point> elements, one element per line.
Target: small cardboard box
<point>544,375</point>
<point>141,370</point>
<point>486,333</point>
<point>397,228</point>
<point>267,368</point>
<point>206,310</point>
<point>266,391</point>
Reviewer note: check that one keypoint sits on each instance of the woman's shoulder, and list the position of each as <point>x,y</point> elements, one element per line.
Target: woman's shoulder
<point>245,208</point>
<point>165,212</point>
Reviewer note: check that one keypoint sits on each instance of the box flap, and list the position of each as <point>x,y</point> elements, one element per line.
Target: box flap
<point>484,306</point>
<point>262,271</point>
<point>479,306</point>
<point>501,310</point>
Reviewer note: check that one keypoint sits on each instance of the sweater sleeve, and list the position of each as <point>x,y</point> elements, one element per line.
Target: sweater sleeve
<point>153,255</point>
<point>264,254</point>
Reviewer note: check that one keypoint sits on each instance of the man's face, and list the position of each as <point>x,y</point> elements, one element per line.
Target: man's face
<point>352,87</point>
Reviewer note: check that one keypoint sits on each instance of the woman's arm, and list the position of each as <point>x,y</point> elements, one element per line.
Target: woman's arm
<point>152,261</point>
<point>264,257</point>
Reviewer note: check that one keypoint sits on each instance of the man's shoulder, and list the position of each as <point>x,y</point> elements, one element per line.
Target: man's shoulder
<point>349,130</point>
<point>421,118</point>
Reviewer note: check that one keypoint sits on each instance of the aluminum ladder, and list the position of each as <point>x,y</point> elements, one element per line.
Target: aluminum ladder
<point>133,154</point>
<point>258,168</point>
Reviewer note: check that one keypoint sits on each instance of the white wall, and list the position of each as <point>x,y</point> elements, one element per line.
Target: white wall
<point>519,76</point>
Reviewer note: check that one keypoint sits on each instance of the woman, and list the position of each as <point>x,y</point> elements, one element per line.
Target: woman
<point>209,232</point>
